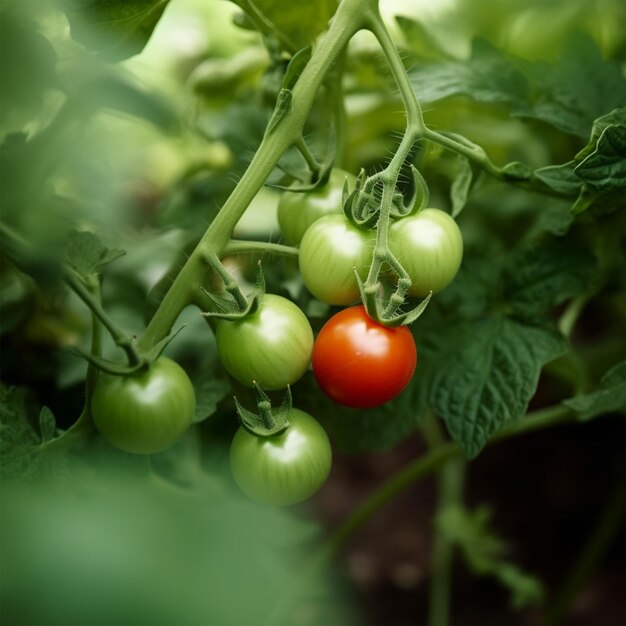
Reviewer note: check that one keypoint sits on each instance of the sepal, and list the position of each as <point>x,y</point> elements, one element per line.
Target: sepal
<point>268,422</point>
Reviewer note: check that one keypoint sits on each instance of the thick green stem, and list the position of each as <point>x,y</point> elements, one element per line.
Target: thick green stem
<point>348,19</point>
<point>340,115</point>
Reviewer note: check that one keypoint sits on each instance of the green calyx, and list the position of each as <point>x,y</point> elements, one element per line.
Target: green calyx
<point>234,305</point>
<point>267,422</point>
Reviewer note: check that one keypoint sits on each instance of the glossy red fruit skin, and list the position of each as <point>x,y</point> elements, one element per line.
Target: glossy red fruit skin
<point>360,363</point>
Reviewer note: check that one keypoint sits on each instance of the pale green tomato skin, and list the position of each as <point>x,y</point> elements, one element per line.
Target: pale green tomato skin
<point>146,412</point>
<point>271,347</point>
<point>298,210</point>
<point>330,251</point>
<point>284,469</point>
<point>429,246</point>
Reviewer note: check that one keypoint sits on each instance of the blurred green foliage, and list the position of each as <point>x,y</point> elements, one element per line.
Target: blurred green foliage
<point>143,152</point>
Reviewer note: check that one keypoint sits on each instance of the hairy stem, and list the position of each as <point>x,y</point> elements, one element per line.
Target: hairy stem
<point>348,19</point>
<point>234,247</point>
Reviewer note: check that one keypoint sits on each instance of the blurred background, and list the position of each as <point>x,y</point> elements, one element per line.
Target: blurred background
<point>142,145</point>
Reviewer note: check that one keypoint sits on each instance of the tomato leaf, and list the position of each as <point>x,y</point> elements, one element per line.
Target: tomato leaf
<point>486,375</point>
<point>573,92</point>
<point>568,94</point>
<point>22,445</point>
<point>597,174</point>
<point>544,274</point>
<point>113,30</point>
<point>489,75</point>
<point>561,178</point>
<point>611,397</point>
<point>485,552</point>
<point>87,255</point>
<point>605,168</point>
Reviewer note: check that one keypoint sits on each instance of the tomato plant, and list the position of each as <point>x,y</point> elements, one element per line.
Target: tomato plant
<point>297,210</point>
<point>360,363</point>
<point>161,194</point>
<point>272,346</point>
<point>282,469</point>
<point>430,247</point>
<point>330,252</point>
<point>145,412</point>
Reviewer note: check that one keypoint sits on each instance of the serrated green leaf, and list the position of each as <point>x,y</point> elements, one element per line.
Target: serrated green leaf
<point>609,398</point>
<point>568,94</point>
<point>571,93</point>
<point>617,117</point>
<point>22,453</point>
<point>605,168</point>
<point>87,255</point>
<point>488,75</point>
<point>114,30</point>
<point>487,374</point>
<point>544,274</point>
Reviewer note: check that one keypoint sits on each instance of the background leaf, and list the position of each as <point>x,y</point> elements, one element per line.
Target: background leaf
<point>112,29</point>
<point>611,397</point>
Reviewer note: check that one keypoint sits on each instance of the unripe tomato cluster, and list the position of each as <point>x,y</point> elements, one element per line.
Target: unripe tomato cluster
<point>356,361</point>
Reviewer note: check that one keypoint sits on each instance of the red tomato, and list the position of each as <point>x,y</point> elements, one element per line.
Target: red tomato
<point>360,363</point>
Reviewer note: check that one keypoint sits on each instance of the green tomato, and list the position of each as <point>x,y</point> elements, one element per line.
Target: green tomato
<point>430,247</point>
<point>145,412</point>
<point>271,346</point>
<point>297,210</point>
<point>330,251</point>
<point>283,469</point>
